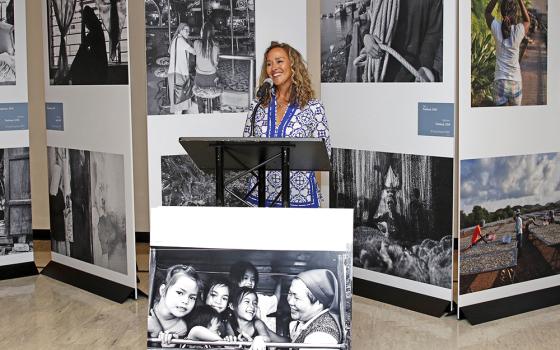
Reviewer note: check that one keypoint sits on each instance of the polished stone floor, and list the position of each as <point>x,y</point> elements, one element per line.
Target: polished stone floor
<point>42,313</point>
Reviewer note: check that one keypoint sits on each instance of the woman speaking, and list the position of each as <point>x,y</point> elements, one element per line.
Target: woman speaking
<point>289,110</point>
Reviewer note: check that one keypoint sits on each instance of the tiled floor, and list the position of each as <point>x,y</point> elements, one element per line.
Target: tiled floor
<point>41,313</point>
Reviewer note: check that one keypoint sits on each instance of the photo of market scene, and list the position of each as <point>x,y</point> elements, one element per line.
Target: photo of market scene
<point>510,220</point>
<point>509,62</point>
<point>200,56</point>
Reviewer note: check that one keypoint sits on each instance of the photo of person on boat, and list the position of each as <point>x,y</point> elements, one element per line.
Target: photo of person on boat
<point>375,41</point>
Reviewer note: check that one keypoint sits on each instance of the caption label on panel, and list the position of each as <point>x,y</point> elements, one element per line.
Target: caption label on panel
<point>13,116</point>
<point>436,119</point>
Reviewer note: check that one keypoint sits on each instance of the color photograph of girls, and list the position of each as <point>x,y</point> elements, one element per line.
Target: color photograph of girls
<point>88,42</point>
<point>225,298</point>
<point>509,43</point>
<point>200,56</point>
<point>7,44</point>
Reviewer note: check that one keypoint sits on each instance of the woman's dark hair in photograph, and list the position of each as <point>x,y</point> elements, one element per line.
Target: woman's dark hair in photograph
<point>239,268</point>
<point>508,10</point>
<point>89,18</point>
<point>202,315</point>
<point>207,39</point>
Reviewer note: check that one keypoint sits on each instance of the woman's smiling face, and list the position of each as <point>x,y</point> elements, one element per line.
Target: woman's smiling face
<point>279,67</point>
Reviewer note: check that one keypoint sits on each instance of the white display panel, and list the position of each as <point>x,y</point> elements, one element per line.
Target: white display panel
<point>97,119</point>
<point>14,143</point>
<point>334,226</point>
<point>371,121</point>
<point>517,141</point>
<point>164,131</point>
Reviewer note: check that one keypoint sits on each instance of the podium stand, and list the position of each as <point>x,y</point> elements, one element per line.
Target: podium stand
<point>255,155</point>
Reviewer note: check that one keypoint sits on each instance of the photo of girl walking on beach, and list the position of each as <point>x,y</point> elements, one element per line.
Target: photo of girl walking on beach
<point>508,52</point>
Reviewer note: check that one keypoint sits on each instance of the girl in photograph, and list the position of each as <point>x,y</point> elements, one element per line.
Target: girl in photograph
<point>90,66</point>
<point>206,50</point>
<point>508,35</point>
<point>288,110</point>
<point>245,274</point>
<point>217,296</point>
<point>178,74</point>
<point>177,297</point>
<point>204,324</point>
<point>246,326</point>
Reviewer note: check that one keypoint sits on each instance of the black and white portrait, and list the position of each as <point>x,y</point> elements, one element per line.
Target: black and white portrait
<point>184,184</point>
<point>7,43</point>
<point>402,212</point>
<point>87,207</point>
<point>16,235</point>
<point>381,41</point>
<point>242,297</point>
<point>200,56</point>
<point>88,42</point>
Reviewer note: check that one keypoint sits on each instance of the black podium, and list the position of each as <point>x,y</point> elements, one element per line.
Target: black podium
<point>255,155</point>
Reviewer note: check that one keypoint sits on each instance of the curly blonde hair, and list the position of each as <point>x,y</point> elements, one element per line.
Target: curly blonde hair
<point>302,91</point>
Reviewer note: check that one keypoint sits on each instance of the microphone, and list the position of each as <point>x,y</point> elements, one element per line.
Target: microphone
<point>264,88</point>
<point>261,93</point>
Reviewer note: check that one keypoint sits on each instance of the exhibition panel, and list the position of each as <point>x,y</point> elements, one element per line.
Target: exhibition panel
<point>16,235</point>
<point>89,141</point>
<point>388,84</point>
<point>242,31</point>
<point>509,183</point>
<point>241,273</point>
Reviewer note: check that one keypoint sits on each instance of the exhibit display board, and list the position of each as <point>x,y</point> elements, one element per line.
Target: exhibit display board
<point>212,270</point>
<point>388,74</point>
<point>509,144</point>
<point>90,144</point>
<point>388,85</point>
<point>16,236</point>
<point>181,103</point>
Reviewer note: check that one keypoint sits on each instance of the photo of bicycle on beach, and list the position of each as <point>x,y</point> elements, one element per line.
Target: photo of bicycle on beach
<point>375,41</point>
<point>509,44</point>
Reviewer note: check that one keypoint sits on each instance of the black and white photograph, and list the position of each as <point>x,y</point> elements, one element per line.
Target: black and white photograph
<point>510,226</point>
<point>7,43</point>
<point>184,184</point>
<point>200,56</point>
<point>402,212</point>
<point>375,41</point>
<point>87,207</point>
<point>16,234</point>
<point>88,42</point>
<point>226,298</point>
